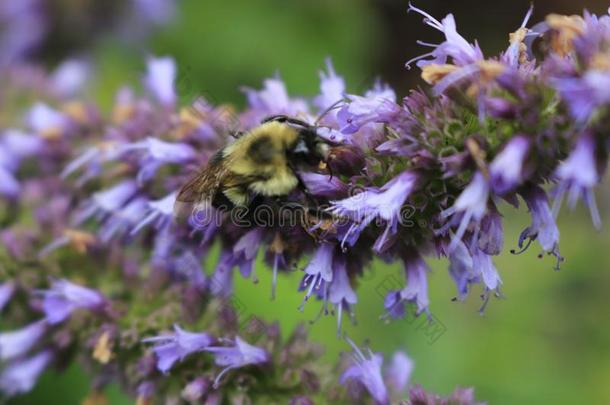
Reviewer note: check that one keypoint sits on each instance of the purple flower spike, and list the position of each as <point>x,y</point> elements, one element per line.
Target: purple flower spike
<point>240,355</point>
<point>64,297</point>
<point>506,170</point>
<point>20,376</point>
<point>367,372</point>
<point>176,346</point>
<point>578,175</point>
<point>160,79</point>
<point>7,289</point>
<point>17,343</point>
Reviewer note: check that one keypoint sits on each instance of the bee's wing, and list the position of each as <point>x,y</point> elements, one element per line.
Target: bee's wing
<point>198,191</point>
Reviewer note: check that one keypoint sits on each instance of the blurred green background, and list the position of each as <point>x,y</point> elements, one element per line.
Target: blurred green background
<point>548,341</point>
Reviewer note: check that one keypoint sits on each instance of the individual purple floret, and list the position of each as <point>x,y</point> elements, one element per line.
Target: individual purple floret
<point>64,297</point>
<point>17,343</point>
<point>241,354</point>
<point>365,370</point>
<point>174,347</point>
<point>20,376</point>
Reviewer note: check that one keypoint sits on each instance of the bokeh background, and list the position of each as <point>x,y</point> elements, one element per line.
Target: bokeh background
<point>547,341</point>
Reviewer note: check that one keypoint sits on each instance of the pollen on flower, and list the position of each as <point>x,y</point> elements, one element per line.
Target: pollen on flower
<point>79,240</point>
<point>77,111</point>
<point>566,28</point>
<point>434,73</point>
<point>516,38</point>
<point>102,351</point>
<point>491,69</point>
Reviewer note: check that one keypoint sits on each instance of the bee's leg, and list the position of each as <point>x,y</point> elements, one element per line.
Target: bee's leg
<point>308,225</point>
<point>330,171</point>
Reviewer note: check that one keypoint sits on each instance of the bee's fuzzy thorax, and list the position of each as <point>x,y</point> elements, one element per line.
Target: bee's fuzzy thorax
<point>270,134</point>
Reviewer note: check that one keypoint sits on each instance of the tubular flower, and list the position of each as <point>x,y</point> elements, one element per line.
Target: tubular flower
<point>366,370</point>
<point>240,355</point>
<point>543,227</point>
<point>64,297</point>
<point>17,343</point>
<point>21,376</point>
<point>176,346</point>
<point>578,175</point>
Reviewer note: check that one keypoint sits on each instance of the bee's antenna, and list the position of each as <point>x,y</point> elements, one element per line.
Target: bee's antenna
<point>333,106</point>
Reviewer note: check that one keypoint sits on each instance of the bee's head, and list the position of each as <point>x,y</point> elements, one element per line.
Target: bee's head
<point>309,148</point>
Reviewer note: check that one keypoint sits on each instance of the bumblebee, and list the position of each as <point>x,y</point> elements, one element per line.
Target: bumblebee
<point>261,162</point>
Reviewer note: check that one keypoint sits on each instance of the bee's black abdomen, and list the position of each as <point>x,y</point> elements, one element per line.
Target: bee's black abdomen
<point>221,202</point>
